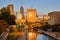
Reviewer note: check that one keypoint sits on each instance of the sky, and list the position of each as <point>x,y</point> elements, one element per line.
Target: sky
<point>42,6</point>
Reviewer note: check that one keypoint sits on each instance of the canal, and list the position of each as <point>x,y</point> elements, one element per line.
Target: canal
<point>29,34</point>
<point>34,35</point>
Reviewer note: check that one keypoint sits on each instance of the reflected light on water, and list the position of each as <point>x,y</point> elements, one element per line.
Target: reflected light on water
<point>30,33</point>
<point>32,36</point>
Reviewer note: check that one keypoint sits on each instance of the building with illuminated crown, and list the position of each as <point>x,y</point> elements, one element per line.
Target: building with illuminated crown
<point>31,15</point>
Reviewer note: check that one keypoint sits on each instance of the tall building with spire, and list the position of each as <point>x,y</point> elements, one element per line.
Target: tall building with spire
<point>11,9</point>
<point>22,11</point>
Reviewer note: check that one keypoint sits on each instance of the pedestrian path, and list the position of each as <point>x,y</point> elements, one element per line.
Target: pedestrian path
<point>4,35</point>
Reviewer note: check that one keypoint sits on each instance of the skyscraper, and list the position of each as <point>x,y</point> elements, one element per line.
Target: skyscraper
<point>22,11</point>
<point>11,9</point>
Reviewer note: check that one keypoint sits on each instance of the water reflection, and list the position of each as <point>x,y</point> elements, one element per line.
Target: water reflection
<point>41,37</point>
<point>44,37</point>
<point>33,35</point>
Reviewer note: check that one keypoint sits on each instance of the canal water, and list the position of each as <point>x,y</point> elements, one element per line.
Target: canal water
<point>34,35</point>
<point>44,37</point>
<point>30,35</point>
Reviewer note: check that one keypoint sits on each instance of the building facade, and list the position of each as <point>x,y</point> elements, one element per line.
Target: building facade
<point>31,15</point>
<point>11,9</point>
<point>54,18</point>
<point>20,19</point>
<point>22,11</point>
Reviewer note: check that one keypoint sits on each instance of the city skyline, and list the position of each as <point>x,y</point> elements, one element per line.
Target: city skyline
<point>43,7</point>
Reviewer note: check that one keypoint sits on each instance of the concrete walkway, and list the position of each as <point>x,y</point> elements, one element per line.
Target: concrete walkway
<point>4,35</point>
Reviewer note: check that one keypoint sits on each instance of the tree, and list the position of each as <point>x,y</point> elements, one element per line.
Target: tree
<point>3,25</point>
<point>46,27</point>
<point>4,9</point>
<point>12,20</point>
<point>9,18</point>
<point>5,15</point>
<point>55,27</point>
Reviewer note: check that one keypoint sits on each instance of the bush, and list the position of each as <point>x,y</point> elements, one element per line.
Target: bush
<point>45,27</point>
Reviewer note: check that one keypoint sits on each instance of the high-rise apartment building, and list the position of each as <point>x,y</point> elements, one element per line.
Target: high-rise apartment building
<point>11,9</point>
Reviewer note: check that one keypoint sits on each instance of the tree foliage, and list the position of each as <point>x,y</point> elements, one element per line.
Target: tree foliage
<point>3,25</point>
<point>5,15</point>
